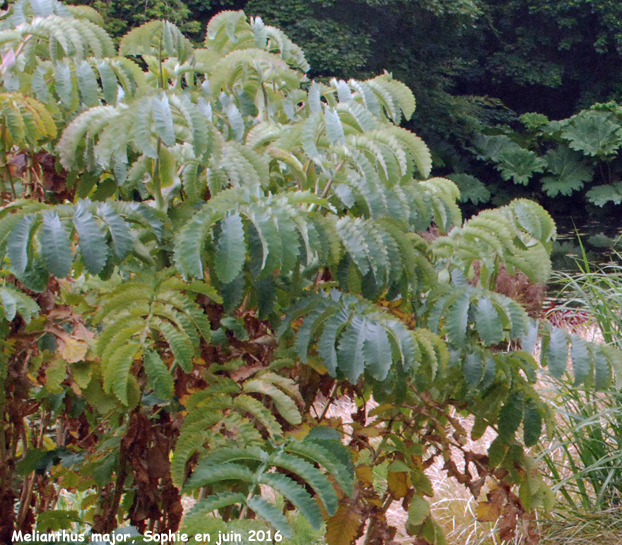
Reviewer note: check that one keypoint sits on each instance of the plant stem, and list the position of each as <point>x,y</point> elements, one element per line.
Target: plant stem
<point>331,398</point>
<point>157,186</point>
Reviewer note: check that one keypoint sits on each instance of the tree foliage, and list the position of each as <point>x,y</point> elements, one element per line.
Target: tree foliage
<point>201,243</point>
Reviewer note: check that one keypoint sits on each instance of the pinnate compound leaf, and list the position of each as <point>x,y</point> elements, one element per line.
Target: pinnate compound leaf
<point>230,252</point>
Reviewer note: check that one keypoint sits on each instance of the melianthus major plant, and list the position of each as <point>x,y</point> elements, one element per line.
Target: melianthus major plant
<point>203,248</point>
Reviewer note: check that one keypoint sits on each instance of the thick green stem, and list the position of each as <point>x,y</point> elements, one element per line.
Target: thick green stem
<point>157,185</point>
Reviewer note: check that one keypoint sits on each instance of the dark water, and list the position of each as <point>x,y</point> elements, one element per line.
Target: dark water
<point>599,240</point>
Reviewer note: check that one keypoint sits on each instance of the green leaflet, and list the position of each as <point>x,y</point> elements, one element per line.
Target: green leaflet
<point>17,243</point>
<point>117,370</point>
<point>581,361</point>
<point>142,129</point>
<point>179,342</point>
<point>328,338</point>
<point>377,351</point>
<point>296,494</point>
<point>215,501</point>
<point>316,453</point>
<point>87,83</point>
<point>236,121</point>
<point>334,127</point>
<point>318,482</point>
<point>64,83</point>
<point>473,369</point>
<point>230,252</point>
<point>284,403</point>
<point>163,119</point>
<point>55,245</point>
<point>109,82</point>
<point>602,370</point>
<point>15,301</point>
<point>92,241</point>
<point>487,322</point>
<point>350,351</point>
<point>457,320</point>
<point>257,410</point>
<point>206,474</point>
<point>159,375</point>
<point>511,416</point>
<point>530,338</point>
<point>490,372</point>
<point>119,230</point>
<point>270,514</point>
<point>557,352</point>
<point>9,303</point>
<point>531,219</point>
<point>532,423</point>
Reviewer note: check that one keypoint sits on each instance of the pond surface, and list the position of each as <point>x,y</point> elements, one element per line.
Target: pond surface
<point>601,239</point>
